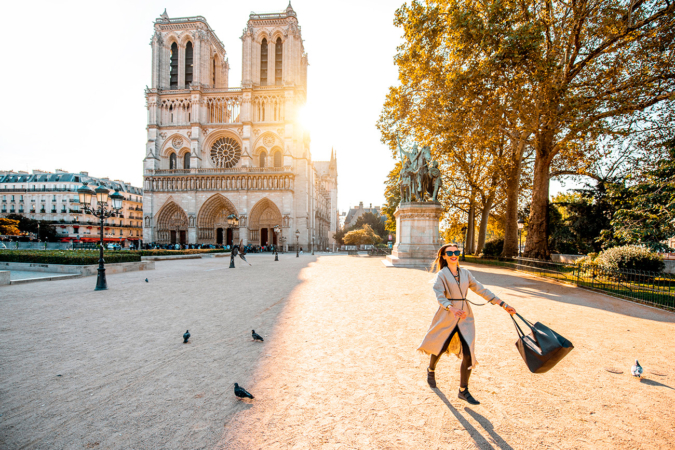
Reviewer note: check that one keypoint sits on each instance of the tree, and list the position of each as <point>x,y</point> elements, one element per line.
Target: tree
<point>28,225</point>
<point>9,227</point>
<point>374,221</point>
<point>364,236</point>
<point>339,236</point>
<point>646,213</point>
<point>392,196</point>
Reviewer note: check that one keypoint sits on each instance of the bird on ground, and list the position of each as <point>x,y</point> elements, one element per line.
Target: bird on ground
<point>186,336</point>
<point>146,280</point>
<point>636,370</point>
<point>242,251</point>
<point>241,392</point>
<point>256,336</point>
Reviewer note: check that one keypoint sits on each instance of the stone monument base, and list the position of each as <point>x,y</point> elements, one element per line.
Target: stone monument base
<point>417,237</point>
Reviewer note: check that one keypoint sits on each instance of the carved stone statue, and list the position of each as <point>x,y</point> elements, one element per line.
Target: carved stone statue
<point>437,180</point>
<point>416,179</point>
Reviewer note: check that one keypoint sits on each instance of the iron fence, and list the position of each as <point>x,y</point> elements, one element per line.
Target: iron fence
<point>650,288</point>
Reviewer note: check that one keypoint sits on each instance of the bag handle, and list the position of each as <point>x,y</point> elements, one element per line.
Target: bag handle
<point>518,329</point>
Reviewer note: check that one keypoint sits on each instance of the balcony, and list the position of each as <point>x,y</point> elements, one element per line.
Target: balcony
<point>220,171</point>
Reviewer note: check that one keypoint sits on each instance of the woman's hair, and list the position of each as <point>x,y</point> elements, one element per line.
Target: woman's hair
<point>440,261</point>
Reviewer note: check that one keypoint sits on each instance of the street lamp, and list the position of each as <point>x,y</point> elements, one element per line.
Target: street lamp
<point>233,221</point>
<point>297,239</point>
<point>464,231</point>
<point>521,225</point>
<point>102,211</point>
<point>277,230</point>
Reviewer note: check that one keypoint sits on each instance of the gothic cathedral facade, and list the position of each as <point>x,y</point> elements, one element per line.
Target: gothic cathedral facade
<point>215,153</point>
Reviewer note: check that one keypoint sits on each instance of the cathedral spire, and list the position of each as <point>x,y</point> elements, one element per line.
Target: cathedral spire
<point>164,15</point>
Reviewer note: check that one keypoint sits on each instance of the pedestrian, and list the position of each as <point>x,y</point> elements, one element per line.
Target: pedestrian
<point>452,329</point>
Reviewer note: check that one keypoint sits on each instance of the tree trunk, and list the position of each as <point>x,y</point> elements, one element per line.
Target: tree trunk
<point>485,216</point>
<point>536,245</point>
<point>511,225</point>
<point>470,225</point>
<point>512,194</point>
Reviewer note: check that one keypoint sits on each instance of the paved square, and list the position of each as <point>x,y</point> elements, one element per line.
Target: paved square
<point>338,368</point>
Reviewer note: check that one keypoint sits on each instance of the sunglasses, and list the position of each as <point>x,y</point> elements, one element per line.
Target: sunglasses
<point>455,253</point>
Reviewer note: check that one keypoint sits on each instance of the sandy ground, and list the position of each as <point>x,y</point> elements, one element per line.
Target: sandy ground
<point>338,369</point>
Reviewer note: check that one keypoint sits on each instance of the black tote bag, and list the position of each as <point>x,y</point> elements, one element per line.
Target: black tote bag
<point>543,348</point>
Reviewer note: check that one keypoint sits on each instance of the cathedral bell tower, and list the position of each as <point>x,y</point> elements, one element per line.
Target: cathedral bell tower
<point>273,52</point>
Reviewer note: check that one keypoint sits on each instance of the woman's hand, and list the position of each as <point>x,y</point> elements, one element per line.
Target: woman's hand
<point>461,314</point>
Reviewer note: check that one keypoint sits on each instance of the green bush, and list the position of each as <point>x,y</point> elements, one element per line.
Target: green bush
<point>493,247</point>
<point>631,257</point>
<point>70,257</point>
<point>161,252</point>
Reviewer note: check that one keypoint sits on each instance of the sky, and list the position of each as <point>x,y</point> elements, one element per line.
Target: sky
<point>73,99</point>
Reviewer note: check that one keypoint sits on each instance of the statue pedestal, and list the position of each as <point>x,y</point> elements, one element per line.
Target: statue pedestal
<point>417,238</point>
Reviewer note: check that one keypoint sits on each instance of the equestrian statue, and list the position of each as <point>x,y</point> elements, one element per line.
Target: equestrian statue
<point>419,177</point>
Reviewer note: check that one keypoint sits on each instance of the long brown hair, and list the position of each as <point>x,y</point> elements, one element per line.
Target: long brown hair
<point>440,262</point>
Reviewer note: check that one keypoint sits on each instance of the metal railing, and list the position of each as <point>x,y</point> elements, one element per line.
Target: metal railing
<point>650,288</point>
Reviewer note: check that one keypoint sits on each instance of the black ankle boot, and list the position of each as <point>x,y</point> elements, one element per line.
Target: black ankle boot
<point>467,397</point>
<point>431,378</point>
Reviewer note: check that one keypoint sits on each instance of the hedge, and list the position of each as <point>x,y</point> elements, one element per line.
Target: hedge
<point>69,257</point>
<point>161,252</point>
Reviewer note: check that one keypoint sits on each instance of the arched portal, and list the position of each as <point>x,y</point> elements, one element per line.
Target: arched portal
<point>172,224</point>
<point>212,217</point>
<point>262,219</point>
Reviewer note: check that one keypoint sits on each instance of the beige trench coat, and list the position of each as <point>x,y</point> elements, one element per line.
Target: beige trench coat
<point>446,289</point>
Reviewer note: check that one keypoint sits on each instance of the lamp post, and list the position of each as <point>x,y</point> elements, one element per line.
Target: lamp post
<point>233,221</point>
<point>297,239</point>
<point>102,211</point>
<point>277,230</point>
<point>464,230</point>
<point>521,225</point>
<point>312,245</point>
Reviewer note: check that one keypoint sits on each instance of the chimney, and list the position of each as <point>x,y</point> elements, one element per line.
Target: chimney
<point>85,174</point>
<point>60,171</point>
<point>360,205</point>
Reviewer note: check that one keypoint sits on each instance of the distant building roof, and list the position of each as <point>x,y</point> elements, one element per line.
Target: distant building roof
<point>66,177</point>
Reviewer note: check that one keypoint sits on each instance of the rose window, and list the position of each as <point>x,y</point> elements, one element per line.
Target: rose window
<point>225,152</point>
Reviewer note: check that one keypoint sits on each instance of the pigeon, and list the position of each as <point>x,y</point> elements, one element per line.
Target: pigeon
<point>636,370</point>
<point>146,280</point>
<point>242,252</point>
<point>256,336</point>
<point>241,392</point>
<point>186,336</point>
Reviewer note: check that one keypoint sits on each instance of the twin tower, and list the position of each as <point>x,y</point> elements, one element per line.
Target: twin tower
<point>215,151</point>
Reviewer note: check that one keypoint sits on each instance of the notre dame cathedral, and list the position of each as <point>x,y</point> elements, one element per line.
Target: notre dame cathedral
<point>216,152</point>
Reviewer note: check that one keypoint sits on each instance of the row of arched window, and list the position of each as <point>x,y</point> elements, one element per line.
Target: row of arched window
<point>173,65</point>
<point>263,159</point>
<point>265,78</point>
<point>173,161</point>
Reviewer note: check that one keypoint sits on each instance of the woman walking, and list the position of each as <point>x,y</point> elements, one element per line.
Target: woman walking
<point>452,329</point>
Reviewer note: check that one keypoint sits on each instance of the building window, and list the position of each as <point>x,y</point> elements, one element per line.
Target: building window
<point>186,161</point>
<point>53,198</point>
<point>263,155</point>
<point>172,161</point>
<point>214,72</point>
<point>173,83</point>
<point>263,63</point>
<point>188,63</point>
<point>277,159</point>
<point>278,55</point>
<point>12,198</point>
<point>225,152</point>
